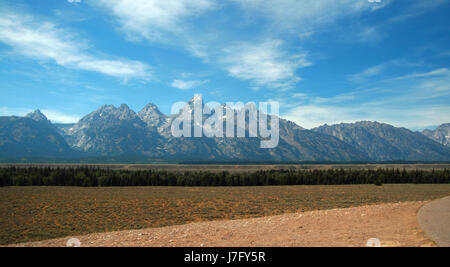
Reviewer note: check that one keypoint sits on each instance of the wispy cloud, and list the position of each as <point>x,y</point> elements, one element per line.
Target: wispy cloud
<point>437,72</point>
<point>367,73</point>
<point>186,85</point>
<point>60,117</point>
<point>154,19</point>
<point>264,64</point>
<point>417,100</point>
<point>306,15</point>
<point>7,111</point>
<point>416,8</point>
<point>368,34</point>
<point>419,117</point>
<point>43,40</point>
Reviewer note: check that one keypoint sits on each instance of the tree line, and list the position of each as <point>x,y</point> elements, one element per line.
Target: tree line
<point>93,177</point>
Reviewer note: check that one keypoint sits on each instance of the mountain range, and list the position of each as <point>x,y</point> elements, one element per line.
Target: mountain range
<point>384,142</point>
<point>115,132</point>
<point>32,135</point>
<point>441,134</point>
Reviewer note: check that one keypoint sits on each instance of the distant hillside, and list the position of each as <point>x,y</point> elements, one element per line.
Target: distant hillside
<point>384,142</point>
<point>31,136</point>
<point>441,134</point>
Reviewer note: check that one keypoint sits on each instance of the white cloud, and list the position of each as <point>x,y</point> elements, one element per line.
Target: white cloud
<point>299,95</point>
<point>437,72</point>
<point>415,101</point>
<point>416,8</point>
<point>306,18</point>
<point>152,19</point>
<point>74,1</point>
<point>186,85</point>
<point>305,15</point>
<point>264,64</point>
<point>118,68</point>
<point>366,74</point>
<point>310,116</point>
<point>60,117</point>
<point>368,34</point>
<point>43,40</point>
<point>7,111</point>
<point>434,84</point>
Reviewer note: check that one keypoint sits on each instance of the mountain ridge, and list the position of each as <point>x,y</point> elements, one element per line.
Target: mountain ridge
<point>119,131</point>
<point>441,134</point>
<point>25,136</point>
<point>385,142</point>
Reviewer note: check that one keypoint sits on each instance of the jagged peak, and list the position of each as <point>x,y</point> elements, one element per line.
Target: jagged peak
<point>196,99</point>
<point>150,105</point>
<point>151,115</point>
<point>150,108</point>
<point>106,107</point>
<point>368,122</point>
<point>124,107</point>
<point>357,123</point>
<point>443,125</point>
<point>37,115</point>
<point>110,111</point>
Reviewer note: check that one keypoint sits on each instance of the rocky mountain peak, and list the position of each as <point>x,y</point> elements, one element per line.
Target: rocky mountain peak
<point>37,116</point>
<point>109,113</point>
<point>112,131</point>
<point>106,108</point>
<point>151,115</point>
<point>196,100</point>
<point>150,108</point>
<point>124,107</point>
<point>362,123</point>
<point>441,134</point>
<point>125,113</point>
<point>384,142</point>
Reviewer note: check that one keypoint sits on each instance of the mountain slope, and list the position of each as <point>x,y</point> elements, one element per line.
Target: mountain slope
<point>440,135</point>
<point>111,131</point>
<point>385,142</point>
<point>31,136</point>
<point>312,146</point>
<point>151,115</point>
<point>295,143</point>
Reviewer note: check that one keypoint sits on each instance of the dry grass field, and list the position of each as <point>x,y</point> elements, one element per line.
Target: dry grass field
<point>39,213</point>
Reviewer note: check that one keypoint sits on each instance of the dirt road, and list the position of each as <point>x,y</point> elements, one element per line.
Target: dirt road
<point>434,219</point>
<point>393,224</point>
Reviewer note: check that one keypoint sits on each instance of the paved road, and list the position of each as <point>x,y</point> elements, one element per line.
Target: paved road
<point>434,218</point>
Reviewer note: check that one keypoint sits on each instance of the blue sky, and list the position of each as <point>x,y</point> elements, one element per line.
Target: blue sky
<point>325,61</point>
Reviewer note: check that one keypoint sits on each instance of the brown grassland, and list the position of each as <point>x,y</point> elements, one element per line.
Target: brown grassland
<point>39,213</point>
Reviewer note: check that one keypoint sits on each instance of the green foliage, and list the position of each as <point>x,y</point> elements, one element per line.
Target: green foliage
<point>92,177</point>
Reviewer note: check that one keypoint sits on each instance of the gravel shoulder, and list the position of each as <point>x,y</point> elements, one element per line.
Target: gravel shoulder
<point>393,224</point>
